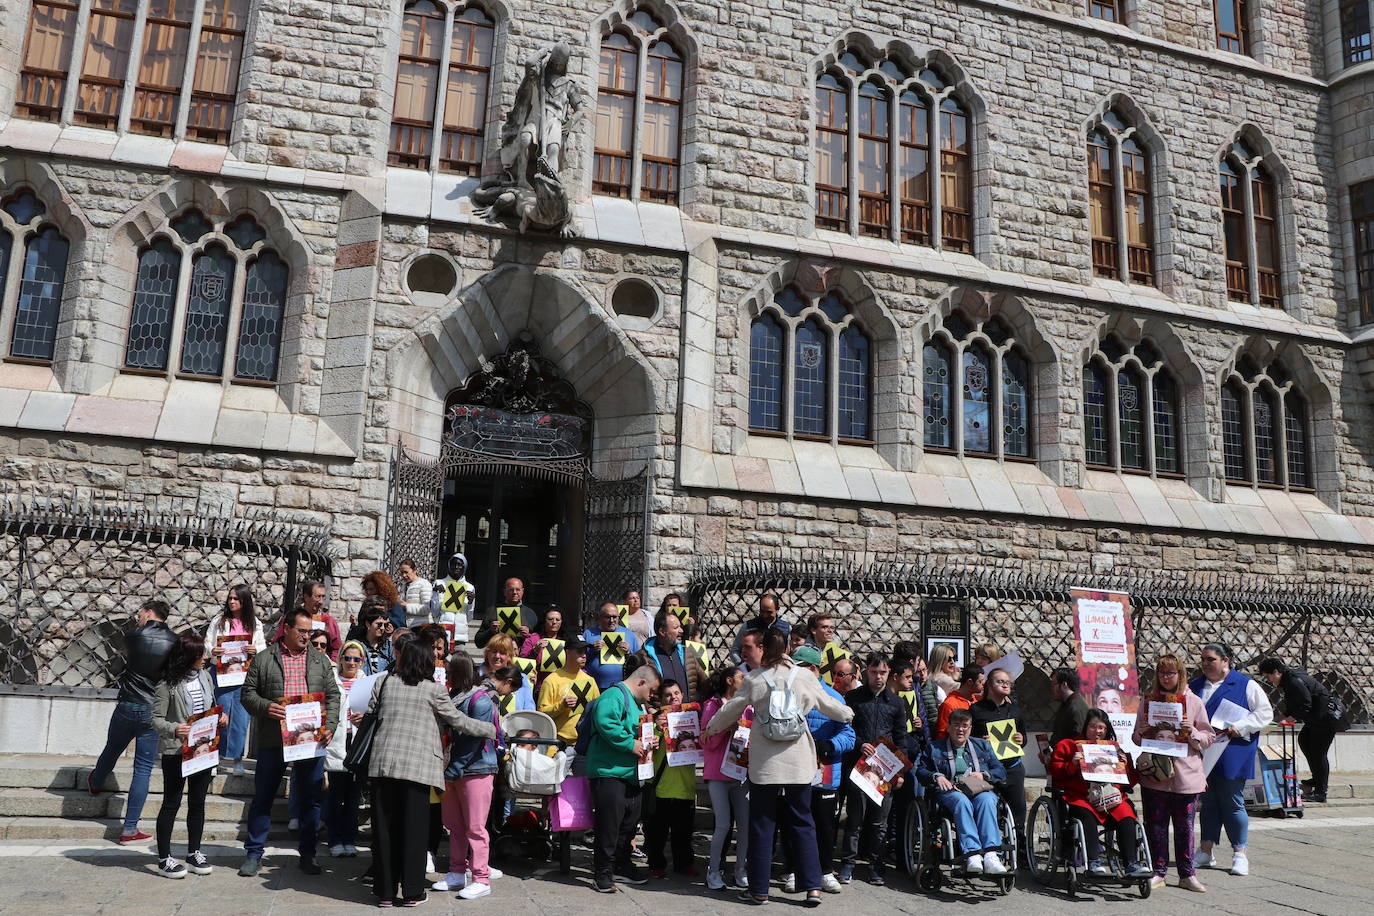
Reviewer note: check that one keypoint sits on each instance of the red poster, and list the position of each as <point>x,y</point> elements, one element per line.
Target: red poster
<point>1105,655</point>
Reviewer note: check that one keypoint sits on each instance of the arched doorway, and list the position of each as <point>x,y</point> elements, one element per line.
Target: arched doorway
<point>513,491</point>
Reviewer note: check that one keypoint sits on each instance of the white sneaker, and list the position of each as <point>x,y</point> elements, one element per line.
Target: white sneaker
<point>1240,864</point>
<point>453,881</point>
<point>474,890</point>
<point>789,884</point>
<point>1203,860</point>
<point>293,824</point>
<point>338,850</point>
<point>429,863</point>
<point>992,865</point>
<point>830,884</point>
<point>714,881</point>
<point>492,874</point>
<point>350,850</point>
<point>974,865</point>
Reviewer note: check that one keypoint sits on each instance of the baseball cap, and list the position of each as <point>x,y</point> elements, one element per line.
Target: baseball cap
<point>807,655</point>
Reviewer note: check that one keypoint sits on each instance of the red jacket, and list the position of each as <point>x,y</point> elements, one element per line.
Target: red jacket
<point>1069,778</point>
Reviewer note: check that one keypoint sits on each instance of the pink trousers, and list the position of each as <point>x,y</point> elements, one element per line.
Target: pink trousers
<point>466,804</point>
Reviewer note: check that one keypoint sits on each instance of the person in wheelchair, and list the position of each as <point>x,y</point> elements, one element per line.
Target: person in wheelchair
<point>953,768</point>
<point>1097,804</point>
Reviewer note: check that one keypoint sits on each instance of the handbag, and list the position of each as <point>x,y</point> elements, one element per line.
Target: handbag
<point>571,808</point>
<point>359,753</point>
<point>1155,767</point>
<point>1104,796</point>
<point>972,782</point>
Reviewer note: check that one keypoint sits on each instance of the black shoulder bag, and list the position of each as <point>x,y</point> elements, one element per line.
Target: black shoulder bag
<point>359,753</point>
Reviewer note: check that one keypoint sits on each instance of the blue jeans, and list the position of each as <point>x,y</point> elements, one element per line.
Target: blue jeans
<point>341,800</point>
<point>308,783</point>
<point>1223,804</point>
<point>975,820</point>
<point>130,722</point>
<point>236,735</point>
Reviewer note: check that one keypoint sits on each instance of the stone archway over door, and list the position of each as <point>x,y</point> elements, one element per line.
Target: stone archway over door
<point>573,340</point>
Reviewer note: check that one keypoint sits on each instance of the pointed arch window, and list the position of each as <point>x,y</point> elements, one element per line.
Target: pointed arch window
<point>33,269</point>
<point>1130,410</point>
<point>878,173</point>
<point>181,65</point>
<point>207,297</point>
<point>1119,192</point>
<point>986,411</point>
<point>1250,222</point>
<point>639,98</point>
<point>811,370</point>
<point>1266,433</point>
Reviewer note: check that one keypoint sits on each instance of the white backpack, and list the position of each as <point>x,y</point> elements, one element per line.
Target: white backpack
<point>783,719</point>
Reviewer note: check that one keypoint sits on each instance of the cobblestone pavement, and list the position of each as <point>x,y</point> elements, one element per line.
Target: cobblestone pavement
<point>1323,863</point>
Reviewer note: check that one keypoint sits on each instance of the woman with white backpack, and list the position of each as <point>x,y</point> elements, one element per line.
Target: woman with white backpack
<point>782,762</point>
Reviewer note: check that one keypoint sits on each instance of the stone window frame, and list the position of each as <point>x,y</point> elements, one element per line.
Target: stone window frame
<point>977,335</point>
<point>489,138</point>
<point>1242,40</point>
<point>634,322</point>
<point>300,344</point>
<point>1361,197</point>
<point>1047,449</point>
<point>1147,360</point>
<point>20,236</point>
<point>1262,162</point>
<point>188,253</point>
<point>1356,38</point>
<point>1137,127</point>
<point>957,87</point>
<point>52,93</point>
<point>674,31</point>
<point>1246,378</point>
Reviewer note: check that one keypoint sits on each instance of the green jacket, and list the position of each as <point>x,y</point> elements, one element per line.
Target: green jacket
<point>266,684</point>
<point>615,728</point>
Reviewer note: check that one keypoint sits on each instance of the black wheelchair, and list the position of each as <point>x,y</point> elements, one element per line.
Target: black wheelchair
<point>929,848</point>
<point>1055,845</point>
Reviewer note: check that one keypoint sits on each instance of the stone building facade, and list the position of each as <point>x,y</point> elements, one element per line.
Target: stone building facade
<point>384,293</point>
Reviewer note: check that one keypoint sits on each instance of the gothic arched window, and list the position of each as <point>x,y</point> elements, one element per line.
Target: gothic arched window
<point>1266,436</point>
<point>986,410</point>
<point>638,149</point>
<point>99,51</point>
<point>1119,197</point>
<point>207,297</point>
<point>1250,224</point>
<point>811,370</point>
<point>931,202</point>
<point>1130,410</point>
<point>439,114</point>
<point>33,270</point>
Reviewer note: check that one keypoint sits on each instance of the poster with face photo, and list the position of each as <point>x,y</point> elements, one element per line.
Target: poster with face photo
<point>1105,653</point>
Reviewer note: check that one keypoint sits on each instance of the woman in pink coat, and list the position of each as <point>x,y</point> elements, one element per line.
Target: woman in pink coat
<point>1175,799</point>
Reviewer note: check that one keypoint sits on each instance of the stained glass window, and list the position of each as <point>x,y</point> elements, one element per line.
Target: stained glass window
<point>260,327</point>
<point>1295,440</point>
<point>855,387</point>
<point>155,302</point>
<point>1266,416</point>
<point>40,296</point>
<point>1130,398</point>
<point>207,312</point>
<point>977,390</point>
<point>1233,396</point>
<point>937,393</point>
<point>1015,405</point>
<point>1096,446</point>
<point>813,376</point>
<point>765,374</point>
<point>1166,423</point>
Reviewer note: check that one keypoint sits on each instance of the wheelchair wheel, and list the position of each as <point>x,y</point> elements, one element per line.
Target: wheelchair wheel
<point>1007,823</point>
<point>1145,888</point>
<point>912,838</point>
<point>1042,839</point>
<point>1006,884</point>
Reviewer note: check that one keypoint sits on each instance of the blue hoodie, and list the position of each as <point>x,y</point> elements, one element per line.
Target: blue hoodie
<point>839,734</point>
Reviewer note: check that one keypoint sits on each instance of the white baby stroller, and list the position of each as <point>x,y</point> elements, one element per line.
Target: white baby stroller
<point>534,774</point>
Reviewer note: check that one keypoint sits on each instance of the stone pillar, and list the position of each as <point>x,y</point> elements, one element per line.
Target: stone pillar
<point>348,338</point>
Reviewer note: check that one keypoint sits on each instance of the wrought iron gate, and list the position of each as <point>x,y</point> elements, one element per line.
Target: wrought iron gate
<point>616,540</point>
<point>417,497</point>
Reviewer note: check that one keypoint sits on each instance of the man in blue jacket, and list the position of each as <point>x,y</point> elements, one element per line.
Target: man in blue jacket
<point>833,739</point>
<point>674,660</point>
<point>940,767</point>
<point>608,673</point>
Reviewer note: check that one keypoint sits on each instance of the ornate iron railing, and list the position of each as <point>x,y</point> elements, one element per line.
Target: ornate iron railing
<point>879,601</point>
<point>75,563</point>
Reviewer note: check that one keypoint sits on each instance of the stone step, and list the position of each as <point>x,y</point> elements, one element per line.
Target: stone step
<point>41,771</point>
<point>72,803</point>
<point>68,829</point>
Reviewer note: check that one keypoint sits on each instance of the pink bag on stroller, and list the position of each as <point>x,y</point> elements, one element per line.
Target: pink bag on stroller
<point>571,808</point>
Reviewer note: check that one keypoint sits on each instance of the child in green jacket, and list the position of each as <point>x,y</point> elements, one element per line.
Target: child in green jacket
<point>675,799</point>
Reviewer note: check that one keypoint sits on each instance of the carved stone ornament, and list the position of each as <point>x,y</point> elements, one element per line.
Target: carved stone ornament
<point>530,191</point>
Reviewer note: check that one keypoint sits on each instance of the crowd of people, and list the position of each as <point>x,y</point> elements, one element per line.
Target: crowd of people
<point>437,744</point>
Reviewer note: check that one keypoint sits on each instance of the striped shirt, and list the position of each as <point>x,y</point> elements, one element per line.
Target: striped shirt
<point>195,694</point>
